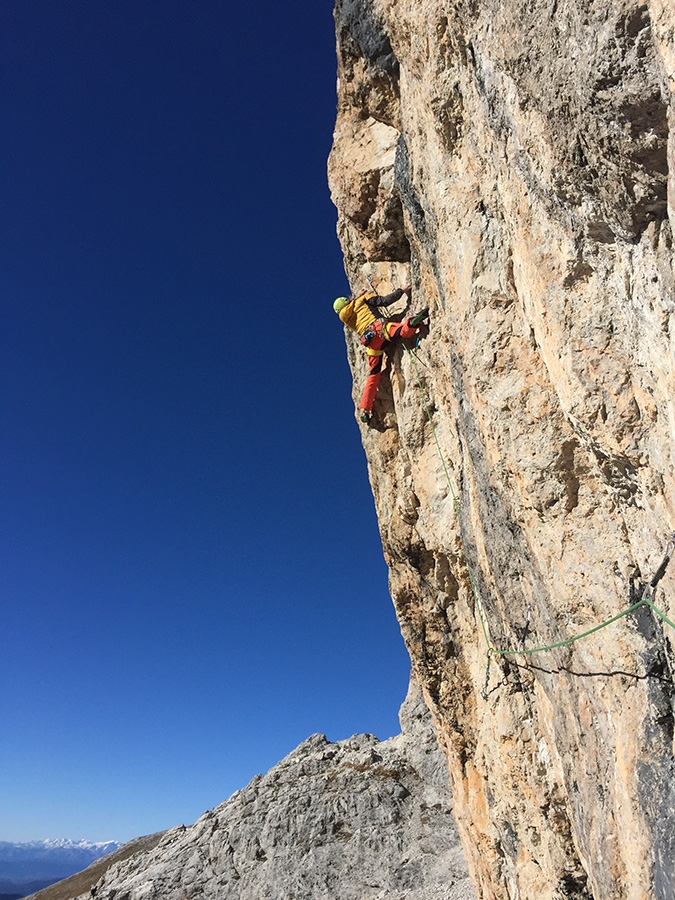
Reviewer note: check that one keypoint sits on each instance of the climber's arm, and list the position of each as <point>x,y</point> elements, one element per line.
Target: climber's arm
<point>388,299</point>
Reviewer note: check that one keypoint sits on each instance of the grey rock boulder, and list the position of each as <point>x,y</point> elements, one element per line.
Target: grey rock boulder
<point>358,819</point>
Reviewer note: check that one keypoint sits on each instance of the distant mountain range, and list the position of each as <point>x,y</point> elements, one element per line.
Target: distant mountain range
<point>26,868</point>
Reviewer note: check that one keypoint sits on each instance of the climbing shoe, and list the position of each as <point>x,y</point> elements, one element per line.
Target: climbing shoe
<point>365,416</point>
<point>419,317</point>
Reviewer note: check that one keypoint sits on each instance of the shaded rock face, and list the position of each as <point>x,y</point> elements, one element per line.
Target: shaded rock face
<point>515,160</point>
<point>351,820</point>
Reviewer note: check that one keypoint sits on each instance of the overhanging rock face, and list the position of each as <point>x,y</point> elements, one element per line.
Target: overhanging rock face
<point>515,161</point>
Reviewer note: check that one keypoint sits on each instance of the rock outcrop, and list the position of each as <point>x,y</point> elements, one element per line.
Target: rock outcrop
<point>516,161</point>
<point>354,820</point>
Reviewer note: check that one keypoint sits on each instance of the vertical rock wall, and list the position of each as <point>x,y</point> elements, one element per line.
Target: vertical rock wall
<point>515,160</point>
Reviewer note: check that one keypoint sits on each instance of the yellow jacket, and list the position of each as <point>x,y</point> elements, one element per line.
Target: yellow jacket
<point>357,314</point>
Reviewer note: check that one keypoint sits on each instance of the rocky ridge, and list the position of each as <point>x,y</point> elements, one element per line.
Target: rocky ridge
<point>515,160</point>
<point>350,820</point>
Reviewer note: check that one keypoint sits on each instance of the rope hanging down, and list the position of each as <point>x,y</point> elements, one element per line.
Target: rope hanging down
<point>647,598</point>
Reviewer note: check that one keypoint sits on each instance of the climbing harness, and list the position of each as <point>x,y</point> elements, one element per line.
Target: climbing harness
<point>647,598</point>
<point>368,335</point>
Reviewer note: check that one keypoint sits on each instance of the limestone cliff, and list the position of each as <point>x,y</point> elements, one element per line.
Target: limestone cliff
<point>515,159</point>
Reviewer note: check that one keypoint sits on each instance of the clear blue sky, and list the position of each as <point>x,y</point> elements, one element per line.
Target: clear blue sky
<point>191,577</point>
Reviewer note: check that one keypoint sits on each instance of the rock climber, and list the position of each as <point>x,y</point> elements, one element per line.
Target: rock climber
<point>363,315</point>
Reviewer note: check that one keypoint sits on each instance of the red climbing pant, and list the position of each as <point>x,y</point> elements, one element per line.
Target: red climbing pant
<point>374,339</point>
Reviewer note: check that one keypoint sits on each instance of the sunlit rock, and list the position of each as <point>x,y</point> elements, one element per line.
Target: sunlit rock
<point>533,177</point>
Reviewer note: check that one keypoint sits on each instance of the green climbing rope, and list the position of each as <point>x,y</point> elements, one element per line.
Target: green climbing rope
<point>645,600</point>
<point>659,612</point>
<point>495,651</point>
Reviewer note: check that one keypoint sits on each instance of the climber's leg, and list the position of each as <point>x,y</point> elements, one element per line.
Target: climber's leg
<point>373,379</point>
<point>400,330</point>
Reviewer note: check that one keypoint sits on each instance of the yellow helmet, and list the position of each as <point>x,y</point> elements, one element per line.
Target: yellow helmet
<point>340,303</point>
